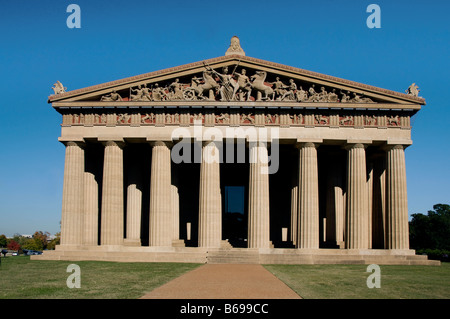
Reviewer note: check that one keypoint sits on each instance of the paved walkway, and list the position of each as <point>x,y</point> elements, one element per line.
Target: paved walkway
<point>224,281</point>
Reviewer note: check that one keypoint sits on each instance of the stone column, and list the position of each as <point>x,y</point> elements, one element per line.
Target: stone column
<point>357,208</point>
<point>90,209</point>
<point>72,218</point>
<point>210,201</point>
<point>369,202</point>
<point>379,203</point>
<point>294,213</point>
<point>134,207</point>
<point>308,197</point>
<point>161,222</point>
<point>258,198</point>
<point>396,199</point>
<point>112,195</point>
<point>335,201</point>
<point>175,212</point>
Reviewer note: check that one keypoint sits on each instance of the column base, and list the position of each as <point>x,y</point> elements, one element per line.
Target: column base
<point>178,243</point>
<point>132,242</point>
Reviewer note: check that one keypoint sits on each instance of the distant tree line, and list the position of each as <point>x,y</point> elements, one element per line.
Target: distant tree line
<point>39,241</point>
<point>430,234</point>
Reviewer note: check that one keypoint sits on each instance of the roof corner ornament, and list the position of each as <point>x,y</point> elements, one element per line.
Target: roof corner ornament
<point>235,47</point>
<point>413,90</point>
<point>58,88</point>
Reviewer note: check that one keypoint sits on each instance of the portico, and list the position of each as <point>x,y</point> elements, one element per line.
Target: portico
<point>321,161</point>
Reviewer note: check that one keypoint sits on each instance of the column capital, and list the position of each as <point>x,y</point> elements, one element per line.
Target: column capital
<point>81,144</point>
<point>250,144</point>
<point>207,142</point>
<point>71,139</point>
<point>300,145</point>
<point>169,144</point>
<point>350,146</point>
<point>389,147</point>
<point>120,144</point>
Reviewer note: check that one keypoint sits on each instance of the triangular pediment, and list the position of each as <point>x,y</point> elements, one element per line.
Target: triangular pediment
<point>246,81</point>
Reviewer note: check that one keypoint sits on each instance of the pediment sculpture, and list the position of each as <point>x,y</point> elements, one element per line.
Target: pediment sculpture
<point>58,88</point>
<point>413,90</point>
<point>221,85</point>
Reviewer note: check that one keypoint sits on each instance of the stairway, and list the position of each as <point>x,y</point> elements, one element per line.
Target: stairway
<point>233,256</point>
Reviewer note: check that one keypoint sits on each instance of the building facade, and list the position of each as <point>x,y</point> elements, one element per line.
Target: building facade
<point>318,164</point>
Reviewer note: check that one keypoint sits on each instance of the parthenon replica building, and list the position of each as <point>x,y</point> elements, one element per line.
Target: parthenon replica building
<point>235,159</point>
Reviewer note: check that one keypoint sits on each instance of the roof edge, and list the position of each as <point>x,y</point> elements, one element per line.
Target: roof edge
<point>321,76</point>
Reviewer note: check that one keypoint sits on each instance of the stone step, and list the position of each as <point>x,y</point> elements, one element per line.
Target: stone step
<point>235,256</point>
<point>178,243</point>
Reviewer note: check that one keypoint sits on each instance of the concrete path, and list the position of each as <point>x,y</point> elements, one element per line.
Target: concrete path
<point>224,281</point>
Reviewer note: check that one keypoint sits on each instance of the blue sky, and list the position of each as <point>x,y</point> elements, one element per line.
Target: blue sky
<point>118,39</point>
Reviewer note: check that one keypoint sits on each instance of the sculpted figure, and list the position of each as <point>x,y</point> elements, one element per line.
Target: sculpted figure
<point>176,90</point>
<point>138,95</point>
<point>345,98</point>
<point>146,93</point>
<point>235,47</point>
<point>290,93</point>
<point>322,95</point>
<point>158,94</point>
<point>321,119</point>
<point>228,84</point>
<point>198,88</point>
<point>258,84</point>
<point>413,90</point>
<point>346,120</point>
<point>123,118</point>
<point>394,120</point>
<point>223,118</point>
<point>313,95</point>
<point>279,90</point>
<point>371,120</point>
<point>111,97</point>
<point>332,96</point>
<point>58,88</point>
<point>302,95</point>
<point>358,99</point>
<point>243,84</point>
<point>247,117</point>
<point>150,117</point>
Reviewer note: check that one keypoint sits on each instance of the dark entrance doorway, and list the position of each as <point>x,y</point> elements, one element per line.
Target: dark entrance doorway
<point>234,188</point>
<point>233,217</point>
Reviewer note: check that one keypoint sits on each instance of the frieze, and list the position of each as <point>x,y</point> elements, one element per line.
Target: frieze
<point>236,118</point>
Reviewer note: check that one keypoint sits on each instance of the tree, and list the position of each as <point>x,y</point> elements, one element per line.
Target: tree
<point>3,241</point>
<point>431,231</point>
<point>51,245</point>
<point>13,245</point>
<point>41,239</point>
<point>30,244</point>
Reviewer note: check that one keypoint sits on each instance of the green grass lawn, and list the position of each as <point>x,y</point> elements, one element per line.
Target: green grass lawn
<point>350,281</point>
<point>22,278</point>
